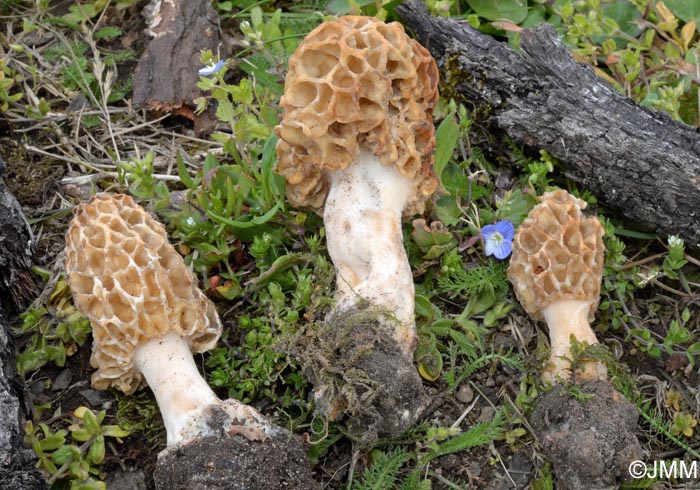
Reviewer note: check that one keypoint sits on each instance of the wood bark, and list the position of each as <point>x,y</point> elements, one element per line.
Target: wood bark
<point>16,461</point>
<point>166,76</point>
<point>640,163</point>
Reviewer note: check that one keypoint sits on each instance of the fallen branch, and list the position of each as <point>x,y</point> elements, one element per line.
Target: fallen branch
<point>640,163</point>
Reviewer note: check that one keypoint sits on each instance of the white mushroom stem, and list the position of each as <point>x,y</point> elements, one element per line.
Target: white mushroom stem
<point>184,397</point>
<point>564,319</point>
<point>362,217</point>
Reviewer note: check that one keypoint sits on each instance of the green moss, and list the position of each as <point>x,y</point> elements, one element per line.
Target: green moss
<point>139,413</point>
<point>453,75</point>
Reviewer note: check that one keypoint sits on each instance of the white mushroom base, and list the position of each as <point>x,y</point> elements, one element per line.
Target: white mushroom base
<point>362,217</point>
<point>187,404</point>
<point>566,318</point>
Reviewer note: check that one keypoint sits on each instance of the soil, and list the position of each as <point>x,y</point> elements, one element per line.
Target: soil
<point>591,442</point>
<point>362,380</point>
<point>209,464</point>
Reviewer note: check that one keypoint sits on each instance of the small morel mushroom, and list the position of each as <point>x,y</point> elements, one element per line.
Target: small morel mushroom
<point>556,271</point>
<point>147,317</point>
<point>356,145</point>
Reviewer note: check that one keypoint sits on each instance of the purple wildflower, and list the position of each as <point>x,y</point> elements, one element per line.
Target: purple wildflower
<point>211,68</point>
<point>498,239</point>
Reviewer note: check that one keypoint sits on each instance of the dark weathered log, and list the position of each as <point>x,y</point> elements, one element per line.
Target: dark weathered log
<point>166,76</point>
<point>16,249</point>
<point>638,162</point>
<point>16,462</point>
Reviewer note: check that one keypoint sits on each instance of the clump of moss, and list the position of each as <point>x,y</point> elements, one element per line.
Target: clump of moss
<point>139,413</point>
<point>362,379</point>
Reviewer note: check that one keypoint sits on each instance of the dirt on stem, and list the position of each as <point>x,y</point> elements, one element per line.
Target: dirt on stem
<point>362,379</point>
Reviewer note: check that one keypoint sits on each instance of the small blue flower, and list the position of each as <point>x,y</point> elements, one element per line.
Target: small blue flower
<point>498,239</point>
<point>211,68</point>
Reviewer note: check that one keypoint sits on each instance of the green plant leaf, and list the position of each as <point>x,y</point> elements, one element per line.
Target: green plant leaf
<point>686,10</point>
<point>338,7</point>
<point>446,138</point>
<point>239,223</point>
<point>425,309</point>
<point>65,453</point>
<point>479,434</point>
<point>434,240</point>
<point>53,441</point>
<point>281,264</point>
<point>184,174</point>
<point>512,10</point>
<point>109,31</point>
<point>114,431</point>
<point>428,357</point>
<point>96,453</point>
<point>463,342</point>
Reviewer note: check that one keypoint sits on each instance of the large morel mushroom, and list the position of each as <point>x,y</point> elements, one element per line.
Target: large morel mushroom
<point>148,316</point>
<point>356,145</point>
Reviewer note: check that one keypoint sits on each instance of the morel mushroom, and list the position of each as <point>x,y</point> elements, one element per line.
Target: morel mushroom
<point>147,317</point>
<point>556,271</point>
<point>356,144</point>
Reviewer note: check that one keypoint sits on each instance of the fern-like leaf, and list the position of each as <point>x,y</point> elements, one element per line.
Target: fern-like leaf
<point>384,471</point>
<point>480,434</point>
<point>491,278</point>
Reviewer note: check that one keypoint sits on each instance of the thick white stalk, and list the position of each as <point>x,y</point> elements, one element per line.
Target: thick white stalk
<point>566,318</point>
<point>187,404</point>
<point>362,217</point>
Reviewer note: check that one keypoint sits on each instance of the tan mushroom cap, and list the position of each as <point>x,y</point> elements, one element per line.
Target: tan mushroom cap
<point>133,286</point>
<point>557,255</point>
<point>353,82</point>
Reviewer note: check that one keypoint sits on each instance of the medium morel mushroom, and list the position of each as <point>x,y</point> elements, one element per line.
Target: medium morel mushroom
<point>556,271</point>
<point>356,145</point>
<point>148,316</point>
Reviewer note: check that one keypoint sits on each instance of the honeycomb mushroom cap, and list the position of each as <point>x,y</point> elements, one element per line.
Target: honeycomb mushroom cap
<point>353,82</point>
<point>133,286</point>
<point>557,255</point>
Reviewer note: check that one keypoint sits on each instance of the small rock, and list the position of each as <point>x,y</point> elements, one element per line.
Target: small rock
<point>37,388</point>
<point>465,394</point>
<point>487,414</point>
<point>450,462</point>
<point>78,104</point>
<point>490,382</point>
<point>94,397</point>
<point>505,342</point>
<point>126,480</point>
<point>63,380</point>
